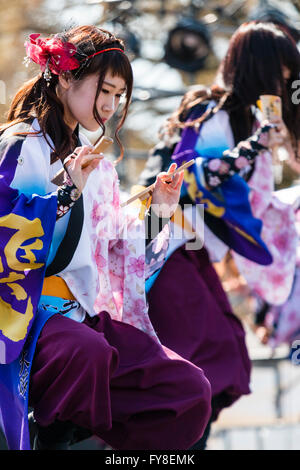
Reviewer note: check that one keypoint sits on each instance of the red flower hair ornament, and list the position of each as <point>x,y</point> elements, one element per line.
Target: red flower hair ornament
<point>51,54</point>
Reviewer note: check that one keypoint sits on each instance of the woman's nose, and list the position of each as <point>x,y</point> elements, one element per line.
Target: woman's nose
<point>109,104</point>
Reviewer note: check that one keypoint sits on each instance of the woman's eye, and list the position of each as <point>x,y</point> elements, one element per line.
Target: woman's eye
<point>117,95</point>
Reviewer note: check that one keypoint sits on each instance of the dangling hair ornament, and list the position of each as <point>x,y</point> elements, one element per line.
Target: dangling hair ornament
<point>47,74</point>
<point>51,54</point>
<point>56,56</point>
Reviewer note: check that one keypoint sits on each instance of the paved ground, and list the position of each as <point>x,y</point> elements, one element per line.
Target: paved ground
<point>268,418</point>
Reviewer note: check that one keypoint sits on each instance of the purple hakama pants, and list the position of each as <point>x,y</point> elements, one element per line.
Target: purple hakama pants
<point>191,315</point>
<point>116,381</point>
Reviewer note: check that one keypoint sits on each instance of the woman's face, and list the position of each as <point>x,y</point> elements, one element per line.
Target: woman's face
<point>286,73</point>
<point>78,99</point>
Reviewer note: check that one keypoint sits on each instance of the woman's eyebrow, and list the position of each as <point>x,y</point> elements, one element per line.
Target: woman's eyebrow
<point>112,85</point>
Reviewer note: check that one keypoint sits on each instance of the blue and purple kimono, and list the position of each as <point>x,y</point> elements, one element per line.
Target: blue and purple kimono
<point>26,228</point>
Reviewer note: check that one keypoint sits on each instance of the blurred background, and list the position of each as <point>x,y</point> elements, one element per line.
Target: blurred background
<point>174,44</point>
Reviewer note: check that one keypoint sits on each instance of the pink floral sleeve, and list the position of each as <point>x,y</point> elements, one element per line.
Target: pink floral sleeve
<point>274,282</point>
<point>123,263</point>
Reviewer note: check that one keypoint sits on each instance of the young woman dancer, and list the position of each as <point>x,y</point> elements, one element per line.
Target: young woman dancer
<point>76,343</point>
<point>187,304</point>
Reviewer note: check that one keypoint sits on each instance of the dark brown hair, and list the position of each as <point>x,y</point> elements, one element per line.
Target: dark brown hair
<point>252,66</point>
<point>36,99</point>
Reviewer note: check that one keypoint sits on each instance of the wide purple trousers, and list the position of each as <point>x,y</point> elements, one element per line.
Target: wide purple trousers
<point>191,315</point>
<point>116,381</point>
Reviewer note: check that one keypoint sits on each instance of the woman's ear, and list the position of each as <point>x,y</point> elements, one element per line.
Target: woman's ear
<point>65,80</point>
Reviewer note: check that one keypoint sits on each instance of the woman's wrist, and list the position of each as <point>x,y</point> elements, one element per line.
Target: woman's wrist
<point>240,160</point>
<point>67,195</point>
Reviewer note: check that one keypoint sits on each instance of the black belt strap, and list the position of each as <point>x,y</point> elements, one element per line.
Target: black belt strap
<point>70,241</point>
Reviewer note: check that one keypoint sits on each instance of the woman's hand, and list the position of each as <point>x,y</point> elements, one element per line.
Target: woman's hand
<point>80,156</point>
<point>279,136</point>
<point>263,333</point>
<point>166,192</point>
<point>280,143</point>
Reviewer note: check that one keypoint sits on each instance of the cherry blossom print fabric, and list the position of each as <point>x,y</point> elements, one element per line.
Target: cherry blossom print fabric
<point>284,320</point>
<point>273,283</point>
<point>240,160</point>
<point>117,240</point>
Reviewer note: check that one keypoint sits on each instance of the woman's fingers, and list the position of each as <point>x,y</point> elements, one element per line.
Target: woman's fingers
<point>92,163</point>
<point>165,177</point>
<point>77,155</point>
<point>79,152</point>
<point>172,167</point>
<point>172,185</point>
<point>87,159</point>
<point>81,163</point>
<point>82,157</point>
<point>83,152</point>
<point>177,180</point>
